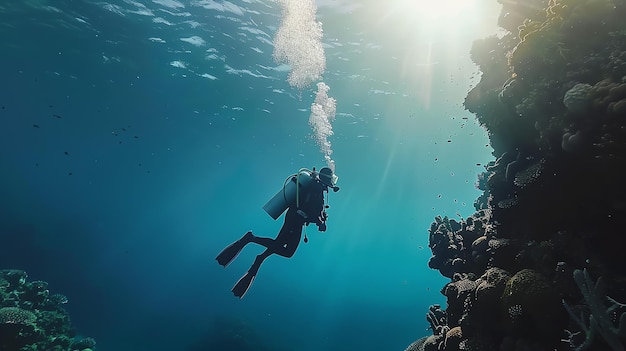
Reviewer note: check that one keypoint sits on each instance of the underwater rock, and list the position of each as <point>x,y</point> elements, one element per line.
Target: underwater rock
<point>514,13</point>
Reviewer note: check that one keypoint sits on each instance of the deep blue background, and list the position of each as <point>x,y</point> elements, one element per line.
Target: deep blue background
<point>123,174</point>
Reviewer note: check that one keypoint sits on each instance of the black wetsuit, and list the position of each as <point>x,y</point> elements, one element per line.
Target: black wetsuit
<point>310,210</point>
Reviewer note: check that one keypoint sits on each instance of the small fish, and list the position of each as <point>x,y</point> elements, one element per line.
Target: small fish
<point>136,137</point>
<point>124,129</point>
<point>36,125</point>
<point>67,153</point>
<point>57,116</point>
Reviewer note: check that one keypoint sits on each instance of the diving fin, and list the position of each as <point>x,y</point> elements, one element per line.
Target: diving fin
<point>244,283</point>
<point>231,251</point>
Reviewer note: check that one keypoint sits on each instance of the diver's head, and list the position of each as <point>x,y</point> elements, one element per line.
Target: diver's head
<point>328,177</point>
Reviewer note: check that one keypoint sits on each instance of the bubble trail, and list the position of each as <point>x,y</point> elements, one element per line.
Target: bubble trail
<point>298,43</point>
<point>322,114</point>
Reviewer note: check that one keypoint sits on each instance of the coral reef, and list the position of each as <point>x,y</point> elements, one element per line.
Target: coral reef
<point>552,214</point>
<point>31,319</point>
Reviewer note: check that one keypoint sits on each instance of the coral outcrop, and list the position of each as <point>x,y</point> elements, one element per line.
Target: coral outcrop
<point>32,319</point>
<point>552,97</point>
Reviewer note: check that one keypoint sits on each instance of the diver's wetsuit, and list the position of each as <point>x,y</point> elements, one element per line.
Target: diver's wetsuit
<point>288,239</point>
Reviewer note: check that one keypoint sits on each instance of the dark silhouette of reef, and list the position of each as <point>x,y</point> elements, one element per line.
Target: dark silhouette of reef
<point>541,263</point>
<point>32,319</point>
<point>232,334</point>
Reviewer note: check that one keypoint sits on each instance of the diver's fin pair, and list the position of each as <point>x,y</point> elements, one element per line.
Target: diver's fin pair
<point>243,284</point>
<point>231,251</point>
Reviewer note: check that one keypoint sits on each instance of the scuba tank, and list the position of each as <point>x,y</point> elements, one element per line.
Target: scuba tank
<point>288,195</point>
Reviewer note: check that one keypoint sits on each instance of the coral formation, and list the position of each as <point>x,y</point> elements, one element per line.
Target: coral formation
<point>531,305</point>
<point>552,98</point>
<point>417,345</point>
<point>33,320</point>
<point>598,315</point>
<point>16,315</point>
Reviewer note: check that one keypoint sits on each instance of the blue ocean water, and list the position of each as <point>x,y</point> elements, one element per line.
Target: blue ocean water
<point>139,138</point>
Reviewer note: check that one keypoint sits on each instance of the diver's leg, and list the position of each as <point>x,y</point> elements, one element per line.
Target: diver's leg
<point>244,283</point>
<point>290,234</point>
<point>285,245</point>
<point>288,238</point>
<point>258,260</point>
<point>267,242</point>
<point>231,251</point>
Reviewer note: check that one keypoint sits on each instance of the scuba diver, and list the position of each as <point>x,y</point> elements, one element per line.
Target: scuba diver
<point>302,196</point>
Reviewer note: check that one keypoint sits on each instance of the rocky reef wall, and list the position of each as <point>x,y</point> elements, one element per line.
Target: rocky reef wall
<point>541,264</point>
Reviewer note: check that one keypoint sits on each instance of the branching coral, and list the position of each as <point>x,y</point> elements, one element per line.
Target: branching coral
<point>438,320</point>
<point>14,277</point>
<point>451,241</point>
<point>598,315</point>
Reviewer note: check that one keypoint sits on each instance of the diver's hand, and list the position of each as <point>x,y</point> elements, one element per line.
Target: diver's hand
<point>323,216</point>
<point>321,221</point>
